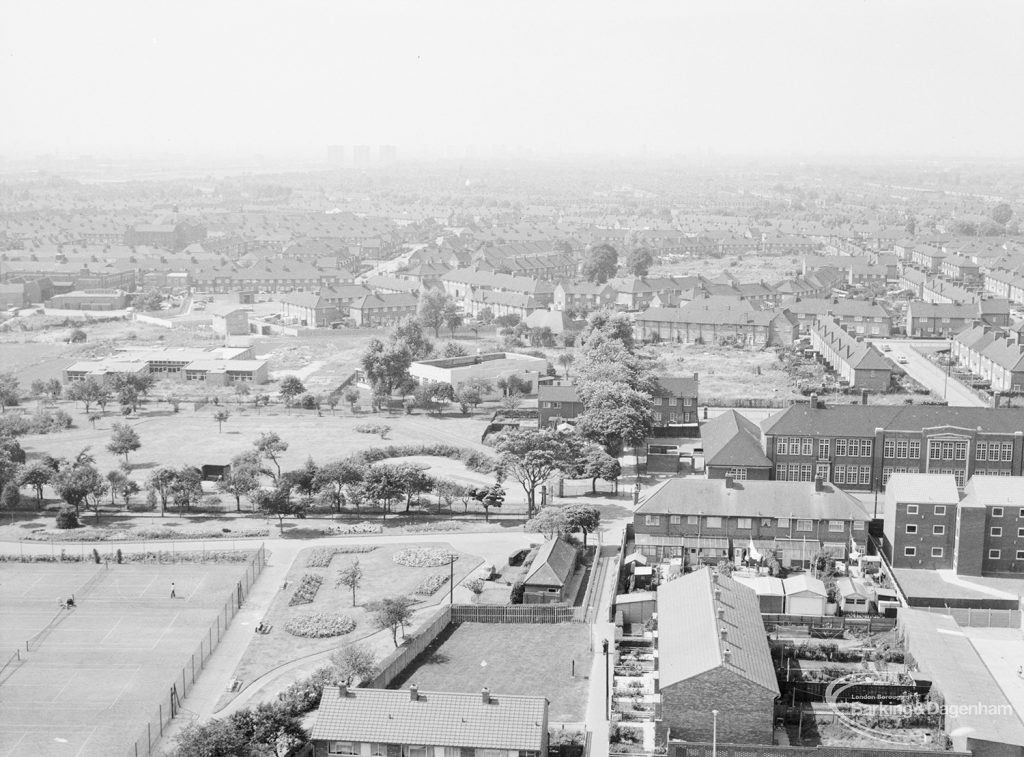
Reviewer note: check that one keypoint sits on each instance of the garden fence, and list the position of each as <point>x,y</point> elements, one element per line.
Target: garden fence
<point>979,618</point>
<point>553,613</point>
<point>393,665</point>
<point>184,682</point>
<point>706,749</point>
<point>866,693</point>
<point>869,624</point>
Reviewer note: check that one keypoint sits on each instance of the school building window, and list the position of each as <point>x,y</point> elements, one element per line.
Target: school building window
<point>938,530</point>
<point>940,509</point>
<point>995,531</point>
<point>994,554</point>
<point>911,528</point>
<point>936,551</point>
<point>981,453</point>
<point>910,551</point>
<point>911,509</point>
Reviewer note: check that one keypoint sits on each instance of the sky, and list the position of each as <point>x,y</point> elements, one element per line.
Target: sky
<point>687,77</point>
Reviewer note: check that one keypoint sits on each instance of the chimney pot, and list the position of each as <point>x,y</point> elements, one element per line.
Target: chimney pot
<point>721,613</point>
<point>485,695</point>
<point>863,396</point>
<point>814,402</point>
<point>730,482</point>
<point>819,484</point>
<point>342,690</point>
<point>414,693</point>
<point>718,595</point>
<point>727,655</point>
<point>724,633</point>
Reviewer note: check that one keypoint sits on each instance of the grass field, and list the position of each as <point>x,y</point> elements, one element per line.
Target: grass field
<point>382,577</point>
<point>99,671</point>
<point>523,659</point>
<point>728,372</point>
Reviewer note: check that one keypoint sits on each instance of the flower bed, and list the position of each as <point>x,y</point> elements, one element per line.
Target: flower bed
<point>127,533</point>
<point>424,557</point>
<point>160,556</point>
<point>307,589</point>
<point>353,529</point>
<point>321,556</point>
<point>431,584</point>
<point>319,625</point>
<point>436,527</point>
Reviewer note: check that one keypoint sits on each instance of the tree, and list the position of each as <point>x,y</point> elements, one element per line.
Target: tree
<point>10,497</point>
<point>639,261</point>
<point>115,480</point>
<point>351,396</point>
<point>270,728</point>
<point>88,391</point>
<point>408,332</point>
<point>270,447</point>
<point>550,521</point>
<point>453,349</point>
<point>468,396</point>
<point>123,440</point>
<point>432,309</point>
<point>9,390</point>
<point>911,227</point>
<point>187,488</point>
<point>615,416</point>
<point>433,396</point>
<point>291,387</point>
<point>75,482</point>
<point>351,576</point>
<point>214,738</point>
<point>220,416</point>
<point>513,384</point>
<point>508,321</point>
<point>392,613</point>
<point>488,497</point>
<point>453,318</point>
<point>601,263</point>
<point>243,477</point>
<point>355,663</point>
<point>599,464</point>
<point>38,388</point>
<point>447,492</point>
<point>1002,213</point>
<point>531,457</point>
<point>582,518</point>
<point>241,392</point>
<point>302,479</point>
<point>277,502</point>
<point>54,388</point>
<point>161,482</point>
<point>511,402</point>
<point>132,387</point>
<point>485,316</point>
<point>386,367</point>
<point>413,482</point>
<point>334,478</point>
<point>37,475</point>
<point>565,359</point>
<point>76,336</point>
<point>383,483</point>
<point>128,489</point>
<point>147,300</point>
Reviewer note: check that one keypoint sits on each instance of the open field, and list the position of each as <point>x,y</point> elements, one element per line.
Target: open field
<point>747,268</point>
<point>522,659</point>
<point>728,372</point>
<point>382,577</point>
<point>99,671</point>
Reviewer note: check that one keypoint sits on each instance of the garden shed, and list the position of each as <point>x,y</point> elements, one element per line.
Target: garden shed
<point>805,595</point>
<point>549,576</point>
<point>771,595</point>
<point>852,595</point>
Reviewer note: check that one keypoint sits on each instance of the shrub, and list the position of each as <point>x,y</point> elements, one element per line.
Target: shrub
<point>424,557</point>
<point>319,625</point>
<point>304,696</point>
<point>96,556</point>
<point>120,557</point>
<point>320,558</point>
<point>67,518</point>
<point>475,585</point>
<point>306,590</point>
<point>437,527</point>
<point>473,460</point>
<point>518,589</point>
<point>429,585</point>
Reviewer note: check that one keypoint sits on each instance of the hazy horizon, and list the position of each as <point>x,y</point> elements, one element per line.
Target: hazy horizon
<point>780,80</point>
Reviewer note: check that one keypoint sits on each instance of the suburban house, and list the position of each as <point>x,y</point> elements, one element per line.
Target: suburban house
<point>713,655</point>
<point>995,356</point>
<point>382,309</point>
<point>707,321</point>
<point>355,722</point>
<point>308,308</point>
<point>860,317</point>
<point>1005,284</point>
<point>550,576</point>
<point>583,296</point>
<point>920,521</point>
<point>557,403</point>
<point>946,320</point>
<point>858,364</point>
<point>859,446</point>
<point>705,520</point>
<point>732,447</point>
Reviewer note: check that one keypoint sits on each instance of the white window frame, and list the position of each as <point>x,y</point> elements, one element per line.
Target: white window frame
<point>912,509</point>
<point>995,554</point>
<point>652,520</point>
<point>940,510</point>
<point>995,532</point>
<point>744,523</point>
<point>938,530</point>
<point>910,551</point>
<point>937,551</point>
<point>911,529</point>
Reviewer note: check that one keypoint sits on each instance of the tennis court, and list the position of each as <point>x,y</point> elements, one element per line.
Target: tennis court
<point>94,674</point>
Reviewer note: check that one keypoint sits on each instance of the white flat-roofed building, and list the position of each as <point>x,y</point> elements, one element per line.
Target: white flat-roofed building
<point>488,367</point>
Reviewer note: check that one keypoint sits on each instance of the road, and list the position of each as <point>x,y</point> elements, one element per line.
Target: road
<point>925,372</point>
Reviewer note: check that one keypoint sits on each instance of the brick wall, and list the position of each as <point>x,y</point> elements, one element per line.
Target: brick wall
<point>745,710</point>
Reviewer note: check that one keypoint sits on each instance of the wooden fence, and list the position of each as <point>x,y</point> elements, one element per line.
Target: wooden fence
<point>870,624</point>
<point>979,618</point>
<point>553,613</point>
<point>396,662</point>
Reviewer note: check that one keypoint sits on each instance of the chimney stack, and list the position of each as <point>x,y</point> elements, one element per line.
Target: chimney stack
<point>724,633</point>
<point>814,402</point>
<point>696,377</point>
<point>714,576</point>
<point>863,396</point>
<point>342,690</point>
<point>414,693</point>
<point>721,613</point>
<point>718,595</point>
<point>995,399</point>
<point>485,695</point>
<point>727,656</point>
<point>730,482</point>
<point>819,484</point>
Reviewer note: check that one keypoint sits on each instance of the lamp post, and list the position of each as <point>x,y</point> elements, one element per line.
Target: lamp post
<point>607,681</point>
<point>714,733</point>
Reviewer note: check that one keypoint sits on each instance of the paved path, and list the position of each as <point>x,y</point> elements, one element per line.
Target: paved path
<point>925,372</point>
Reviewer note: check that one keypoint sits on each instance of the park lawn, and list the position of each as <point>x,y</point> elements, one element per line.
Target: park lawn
<point>516,659</point>
<point>382,577</point>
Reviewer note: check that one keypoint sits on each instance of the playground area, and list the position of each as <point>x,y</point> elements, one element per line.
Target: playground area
<point>84,681</point>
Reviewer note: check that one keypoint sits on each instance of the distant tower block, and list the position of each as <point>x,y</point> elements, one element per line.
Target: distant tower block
<point>335,156</point>
<point>361,156</point>
<point>387,154</point>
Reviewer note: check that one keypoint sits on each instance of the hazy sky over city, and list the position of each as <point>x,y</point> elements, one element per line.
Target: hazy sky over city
<point>891,77</point>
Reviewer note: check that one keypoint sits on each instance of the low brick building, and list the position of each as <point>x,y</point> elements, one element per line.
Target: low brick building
<point>713,655</point>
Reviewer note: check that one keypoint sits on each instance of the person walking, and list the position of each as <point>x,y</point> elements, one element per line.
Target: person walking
<point>173,595</point>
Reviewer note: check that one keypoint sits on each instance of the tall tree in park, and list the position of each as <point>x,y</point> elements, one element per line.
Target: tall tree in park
<point>335,478</point>
<point>601,263</point>
<point>115,481</point>
<point>453,318</point>
<point>161,483</point>
<point>488,497</point>
<point>187,489</point>
<point>80,485</point>
<point>271,446</point>
<point>434,396</point>
<point>243,479</point>
<point>10,497</point>
<point>565,359</point>
<point>277,502</point>
<point>599,464</point>
<point>302,479</point>
<point>123,440</point>
<point>615,416</point>
<point>9,390</point>
<point>350,577</point>
<point>432,309</point>
<point>54,388</point>
<point>409,331</point>
<point>132,387</point>
<point>639,261</point>
<point>1002,213</point>
<point>383,484</point>
<point>392,613</point>
<point>604,326</point>
<point>351,396</point>
<point>37,475</point>
<point>583,518</point>
<point>532,456</point>
<point>220,416</point>
<point>549,521</point>
<point>386,366</point>
<point>88,391</point>
<point>291,387</point>
<point>413,482</point>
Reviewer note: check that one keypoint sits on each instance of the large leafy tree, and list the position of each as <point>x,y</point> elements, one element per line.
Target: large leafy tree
<point>601,263</point>
<point>386,366</point>
<point>271,446</point>
<point>599,464</point>
<point>88,391</point>
<point>639,261</point>
<point>488,497</point>
<point>243,479</point>
<point>532,456</point>
<point>355,662</point>
<point>383,484</point>
<point>350,577</point>
<point>433,308</point>
<point>583,518</point>
<point>335,478</point>
<point>291,387</point>
<point>161,483</point>
<point>9,390</point>
<point>37,475</point>
<point>1002,213</point>
<point>187,488</point>
<point>277,502</point>
<point>409,332</point>
<point>123,440</point>
<point>392,613</point>
<point>615,416</point>
<point>80,485</point>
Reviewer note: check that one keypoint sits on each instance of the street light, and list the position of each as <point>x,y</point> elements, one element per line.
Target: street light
<point>714,733</point>
<point>607,681</point>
